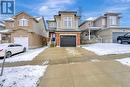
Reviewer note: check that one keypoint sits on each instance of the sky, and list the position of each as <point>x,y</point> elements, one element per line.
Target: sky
<point>87,8</point>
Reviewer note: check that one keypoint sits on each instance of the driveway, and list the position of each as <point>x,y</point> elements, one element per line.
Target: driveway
<point>77,67</point>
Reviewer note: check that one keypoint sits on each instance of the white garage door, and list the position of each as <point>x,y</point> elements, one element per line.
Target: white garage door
<point>21,40</point>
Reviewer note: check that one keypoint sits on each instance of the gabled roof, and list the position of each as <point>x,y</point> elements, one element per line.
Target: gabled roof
<point>91,18</point>
<point>13,17</point>
<point>2,24</point>
<point>5,31</point>
<point>112,12</point>
<point>21,13</point>
<point>9,19</point>
<point>97,18</point>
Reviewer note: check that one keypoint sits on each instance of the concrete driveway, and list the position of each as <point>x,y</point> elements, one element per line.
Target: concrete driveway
<point>76,67</point>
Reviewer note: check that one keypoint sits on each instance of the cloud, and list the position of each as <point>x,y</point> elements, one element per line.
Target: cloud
<point>121,1</point>
<point>51,7</point>
<point>3,17</point>
<point>121,6</point>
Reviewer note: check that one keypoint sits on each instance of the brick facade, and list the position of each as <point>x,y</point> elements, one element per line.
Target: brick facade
<point>77,34</point>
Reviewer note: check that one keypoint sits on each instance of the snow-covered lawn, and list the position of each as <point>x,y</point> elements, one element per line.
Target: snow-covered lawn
<point>108,48</point>
<point>23,76</point>
<point>27,56</point>
<point>125,61</point>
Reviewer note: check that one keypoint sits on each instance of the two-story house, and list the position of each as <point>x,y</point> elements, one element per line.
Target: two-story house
<point>105,28</point>
<point>26,30</point>
<point>64,30</point>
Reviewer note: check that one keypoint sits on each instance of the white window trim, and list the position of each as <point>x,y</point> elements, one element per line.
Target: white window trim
<point>66,22</point>
<point>112,20</point>
<point>23,22</point>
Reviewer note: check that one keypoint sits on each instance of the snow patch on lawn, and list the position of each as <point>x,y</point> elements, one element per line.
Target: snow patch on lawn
<point>108,48</point>
<point>27,56</point>
<point>125,61</point>
<point>23,76</point>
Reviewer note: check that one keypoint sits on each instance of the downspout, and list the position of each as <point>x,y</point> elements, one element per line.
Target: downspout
<point>89,33</point>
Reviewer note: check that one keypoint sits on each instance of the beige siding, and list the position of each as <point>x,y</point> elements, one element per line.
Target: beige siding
<point>106,36</point>
<point>39,28</point>
<point>120,30</point>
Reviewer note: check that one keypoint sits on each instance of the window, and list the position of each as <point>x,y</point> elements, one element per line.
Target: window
<point>113,20</point>
<point>23,22</point>
<point>11,46</point>
<point>68,22</point>
<point>127,35</point>
<point>17,45</point>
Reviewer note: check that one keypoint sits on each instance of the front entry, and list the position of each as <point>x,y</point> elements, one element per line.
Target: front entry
<point>67,41</point>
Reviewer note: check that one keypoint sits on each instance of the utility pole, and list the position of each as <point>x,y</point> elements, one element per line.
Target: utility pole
<point>2,67</point>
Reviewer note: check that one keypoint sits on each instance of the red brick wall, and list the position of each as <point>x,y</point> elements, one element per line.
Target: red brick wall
<point>78,39</point>
<point>57,39</point>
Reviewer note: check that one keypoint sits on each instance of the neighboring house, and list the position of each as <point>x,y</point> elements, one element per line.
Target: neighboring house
<point>64,30</point>
<point>4,37</point>
<point>2,25</point>
<point>105,29</point>
<point>26,30</point>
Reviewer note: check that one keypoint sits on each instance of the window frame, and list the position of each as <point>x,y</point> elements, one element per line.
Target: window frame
<point>113,20</point>
<point>23,22</point>
<point>68,22</point>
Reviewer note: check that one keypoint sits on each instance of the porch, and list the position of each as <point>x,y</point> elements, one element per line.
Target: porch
<point>90,35</point>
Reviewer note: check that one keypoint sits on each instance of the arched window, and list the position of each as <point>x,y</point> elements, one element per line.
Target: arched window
<point>23,22</point>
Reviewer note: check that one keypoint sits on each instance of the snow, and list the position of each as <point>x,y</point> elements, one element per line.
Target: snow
<point>91,18</point>
<point>1,24</point>
<point>38,18</point>
<point>125,61</point>
<point>27,56</point>
<point>108,48</point>
<point>9,19</point>
<point>5,31</point>
<point>22,76</point>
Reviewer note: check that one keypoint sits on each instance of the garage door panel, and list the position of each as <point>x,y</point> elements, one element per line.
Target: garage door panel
<point>68,41</point>
<point>116,34</point>
<point>21,40</point>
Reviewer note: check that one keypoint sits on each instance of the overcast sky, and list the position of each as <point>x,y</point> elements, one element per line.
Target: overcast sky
<point>88,8</point>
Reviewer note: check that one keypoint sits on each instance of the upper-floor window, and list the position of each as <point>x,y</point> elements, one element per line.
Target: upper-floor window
<point>68,22</point>
<point>23,22</point>
<point>113,20</point>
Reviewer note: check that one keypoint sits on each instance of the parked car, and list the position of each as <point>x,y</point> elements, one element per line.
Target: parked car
<point>124,39</point>
<point>9,49</point>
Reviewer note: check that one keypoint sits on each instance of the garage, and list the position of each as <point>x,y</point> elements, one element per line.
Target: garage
<point>21,40</point>
<point>67,41</point>
<point>116,34</point>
